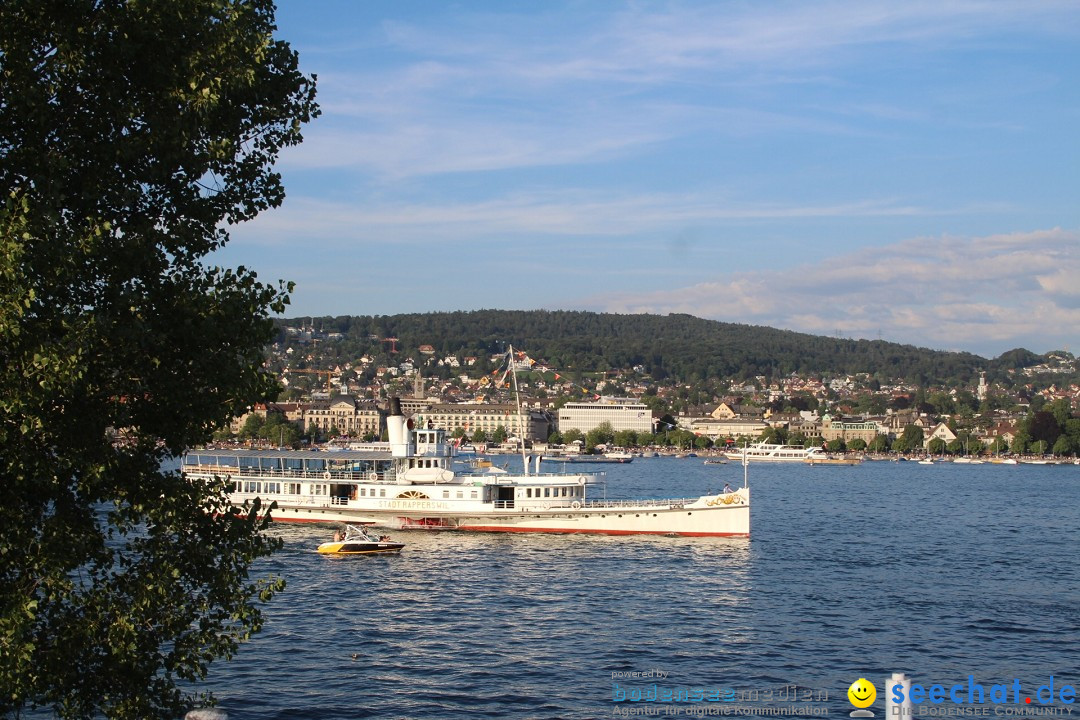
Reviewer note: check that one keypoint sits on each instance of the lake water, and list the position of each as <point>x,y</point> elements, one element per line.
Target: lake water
<point>941,572</point>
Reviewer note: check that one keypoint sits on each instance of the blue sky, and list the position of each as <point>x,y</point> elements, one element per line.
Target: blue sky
<point>902,170</point>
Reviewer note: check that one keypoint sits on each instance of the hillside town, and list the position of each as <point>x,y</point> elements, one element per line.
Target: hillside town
<point>1031,412</point>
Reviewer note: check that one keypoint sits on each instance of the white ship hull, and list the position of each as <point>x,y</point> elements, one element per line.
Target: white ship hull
<point>709,516</point>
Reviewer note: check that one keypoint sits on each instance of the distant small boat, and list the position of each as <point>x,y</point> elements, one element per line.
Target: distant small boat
<point>589,459</point>
<point>716,461</point>
<point>833,460</point>
<point>926,461</point>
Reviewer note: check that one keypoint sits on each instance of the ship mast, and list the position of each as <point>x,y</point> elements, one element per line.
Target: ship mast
<point>517,401</point>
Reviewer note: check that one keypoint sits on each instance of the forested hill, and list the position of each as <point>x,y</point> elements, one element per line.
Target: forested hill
<point>679,347</point>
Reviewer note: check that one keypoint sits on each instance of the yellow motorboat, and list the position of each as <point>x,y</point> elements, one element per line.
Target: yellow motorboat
<point>358,541</point>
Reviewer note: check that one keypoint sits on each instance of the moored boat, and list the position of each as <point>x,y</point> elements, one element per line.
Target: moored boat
<point>592,459</point>
<point>770,452</point>
<point>828,460</point>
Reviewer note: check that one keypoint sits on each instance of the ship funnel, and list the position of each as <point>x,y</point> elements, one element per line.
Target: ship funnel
<point>396,430</point>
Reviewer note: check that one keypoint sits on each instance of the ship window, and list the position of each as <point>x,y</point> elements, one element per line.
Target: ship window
<point>460,494</point>
<point>446,494</point>
<point>363,492</point>
<point>293,488</point>
<point>382,492</point>
<point>528,492</point>
<point>547,492</point>
<point>473,495</point>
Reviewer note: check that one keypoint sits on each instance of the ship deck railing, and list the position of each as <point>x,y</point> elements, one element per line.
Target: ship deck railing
<point>352,476</point>
<point>532,504</point>
<point>641,502</point>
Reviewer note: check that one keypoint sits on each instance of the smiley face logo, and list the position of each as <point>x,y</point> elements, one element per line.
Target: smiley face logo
<point>862,693</point>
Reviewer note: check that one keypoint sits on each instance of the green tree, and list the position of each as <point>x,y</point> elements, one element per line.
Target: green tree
<point>858,445</point>
<point>936,446</point>
<point>1062,412</point>
<point>479,436</point>
<point>835,445</point>
<point>602,434</point>
<point>775,435</point>
<point>572,436</point>
<point>910,440</point>
<point>1043,426</point>
<point>500,434</point>
<point>278,430</point>
<point>1072,429</point>
<point>1063,446</point>
<point>880,443</point>
<point>626,438</point>
<point>131,135</point>
<point>252,427</point>
<point>942,403</point>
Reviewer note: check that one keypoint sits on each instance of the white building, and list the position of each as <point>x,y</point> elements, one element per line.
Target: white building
<point>621,413</point>
<point>488,418</point>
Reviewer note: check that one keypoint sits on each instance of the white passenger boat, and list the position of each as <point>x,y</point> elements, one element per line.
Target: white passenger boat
<point>409,483</point>
<point>769,452</point>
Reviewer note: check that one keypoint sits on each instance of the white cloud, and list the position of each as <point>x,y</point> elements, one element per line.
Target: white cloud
<point>990,293</point>
<point>570,212</point>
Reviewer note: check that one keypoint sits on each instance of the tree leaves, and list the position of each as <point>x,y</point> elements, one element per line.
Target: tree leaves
<point>130,134</point>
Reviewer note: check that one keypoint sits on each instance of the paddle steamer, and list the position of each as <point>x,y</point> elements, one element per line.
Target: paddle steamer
<point>410,482</point>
